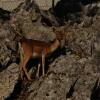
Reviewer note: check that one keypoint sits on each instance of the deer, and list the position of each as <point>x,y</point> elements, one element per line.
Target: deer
<point>36,49</point>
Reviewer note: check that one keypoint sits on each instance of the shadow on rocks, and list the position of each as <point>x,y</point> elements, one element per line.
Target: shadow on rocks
<point>95,95</point>
<point>16,91</point>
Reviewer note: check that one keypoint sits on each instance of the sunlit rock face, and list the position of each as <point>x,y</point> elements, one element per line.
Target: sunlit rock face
<point>12,4</point>
<point>46,4</point>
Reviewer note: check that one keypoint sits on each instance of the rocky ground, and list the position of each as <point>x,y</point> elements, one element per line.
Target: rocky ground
<point>73,73</point>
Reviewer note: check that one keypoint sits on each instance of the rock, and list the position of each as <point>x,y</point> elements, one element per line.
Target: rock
<point>7,31</point>
<point>34,30</point>
<point>74,76</point>
<point>5,55</point>
<point>8,42</point>
<point>31,26</point>
<point>66,72</point>
<point>8,79</point>
<point>48,18</point>
<point>8,45</point>
<point>71,76</point>
<point>41,33</point>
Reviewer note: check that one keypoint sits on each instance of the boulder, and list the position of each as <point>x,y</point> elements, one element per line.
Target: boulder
<point>41,33</point>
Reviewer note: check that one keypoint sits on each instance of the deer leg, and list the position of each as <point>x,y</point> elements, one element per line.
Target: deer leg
<point>21,52</point>
<point>23,67</point>
<point>37,74</point>
<point>43,63</point>
<point>21,70</point>
<point>21,64</point>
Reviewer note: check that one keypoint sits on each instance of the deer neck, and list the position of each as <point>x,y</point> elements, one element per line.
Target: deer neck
<point>53,46</point>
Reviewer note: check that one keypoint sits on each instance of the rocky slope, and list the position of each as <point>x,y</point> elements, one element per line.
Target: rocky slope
<point>72,73</point>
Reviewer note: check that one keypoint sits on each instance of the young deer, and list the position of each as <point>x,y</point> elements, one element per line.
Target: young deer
<point>36,49</point>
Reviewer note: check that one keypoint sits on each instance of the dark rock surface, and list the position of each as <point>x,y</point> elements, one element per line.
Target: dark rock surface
<point>76,10</point>
<point>4,14</point>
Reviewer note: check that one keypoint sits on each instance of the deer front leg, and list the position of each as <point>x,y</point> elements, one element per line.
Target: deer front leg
<point>43,63</point>
<point>21,70</point>
<point>24,67</point>
<point>25,70</point>
<point>38,71</point>
<point>21,52</point>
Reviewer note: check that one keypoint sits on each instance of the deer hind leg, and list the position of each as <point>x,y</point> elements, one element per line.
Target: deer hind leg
<point>43,63</point>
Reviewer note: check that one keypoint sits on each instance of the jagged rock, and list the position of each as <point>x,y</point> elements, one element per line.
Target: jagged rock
<point>5,55</point>
<point>48,18</point>
<point>35,31</point>
<point>8,79</point>
<point>6,31</point>
<point>26,12</point>
<point>8,45</point>
<point>28,18</point>
<point>29,6</point>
